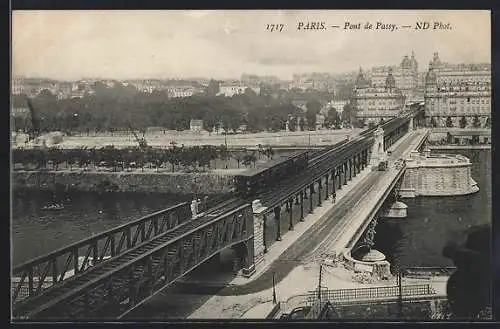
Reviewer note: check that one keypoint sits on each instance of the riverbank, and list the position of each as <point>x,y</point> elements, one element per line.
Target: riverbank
<point>206,183</point>
<point>459,147</point>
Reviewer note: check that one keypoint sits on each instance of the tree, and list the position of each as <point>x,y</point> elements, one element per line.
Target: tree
<point>302,123</point>
<point>449,122</point>
<point>313,108</point>
<point>269,152</point>
<point>348,114</point>
<point>249,158</point>
<point>332,118</point>
<point>433,122</point>
<point>463,122</point>
<point>223,153</point>
<point>476,123</point>
<point>239,156</point>
<point>292,124</point>
<point>212,88</point>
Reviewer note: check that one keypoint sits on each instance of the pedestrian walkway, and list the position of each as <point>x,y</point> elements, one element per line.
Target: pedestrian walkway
<point>359,216</point>
<point>304,277</point>
<point>300,228</point>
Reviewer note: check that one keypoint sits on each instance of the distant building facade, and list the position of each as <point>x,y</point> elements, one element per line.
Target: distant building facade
<point>229,89</point>
<point>457,95</point>
<point>406,76</point>
<point>196,125</point>
<point>374,103</point>
<point>17,85</point>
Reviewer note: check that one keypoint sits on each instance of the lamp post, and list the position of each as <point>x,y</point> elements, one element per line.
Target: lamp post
<point>274,291</point>
<point>400,292</point>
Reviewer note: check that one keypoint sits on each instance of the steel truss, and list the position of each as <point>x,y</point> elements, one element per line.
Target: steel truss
<point>40,274</point>
<point>115,292</point>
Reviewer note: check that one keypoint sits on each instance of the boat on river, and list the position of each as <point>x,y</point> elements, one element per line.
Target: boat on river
<point>55,206</point>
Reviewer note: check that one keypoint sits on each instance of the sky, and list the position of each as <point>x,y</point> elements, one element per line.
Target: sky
<point>69,45</point>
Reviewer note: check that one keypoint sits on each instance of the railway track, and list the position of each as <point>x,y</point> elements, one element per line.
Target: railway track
<point>316,167</point>
<point>314,170</point>
<point>102,270</point>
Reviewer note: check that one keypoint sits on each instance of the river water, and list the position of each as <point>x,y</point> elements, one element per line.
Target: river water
<point>414,241</point>
<point>418,240</point>
<point>36,232</point>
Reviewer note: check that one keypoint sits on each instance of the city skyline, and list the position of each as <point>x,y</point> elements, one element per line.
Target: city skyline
<point>126,45</point>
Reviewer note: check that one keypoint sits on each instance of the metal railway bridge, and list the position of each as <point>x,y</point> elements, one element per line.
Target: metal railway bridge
<point>106,275</point>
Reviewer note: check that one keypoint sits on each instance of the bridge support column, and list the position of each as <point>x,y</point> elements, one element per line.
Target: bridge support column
<point>290,214</point>
<point>277,215</point>
<point>310,199</point>
<point>350,169</point>
<point>248,259</point>
<point>259,229</point>
<point>264,231</point>
<point>319,192</point>
<point>344,169</point>
<point>301,206</point>
<point>334,195</point>
<point>326,187</point>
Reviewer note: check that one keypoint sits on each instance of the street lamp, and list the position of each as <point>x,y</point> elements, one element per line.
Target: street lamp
<point>274,291</point>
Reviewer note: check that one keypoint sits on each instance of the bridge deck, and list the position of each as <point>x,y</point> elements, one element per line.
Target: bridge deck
<point>319,165</point>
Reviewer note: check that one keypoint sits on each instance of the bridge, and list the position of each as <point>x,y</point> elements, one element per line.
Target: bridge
<point>107,275</point>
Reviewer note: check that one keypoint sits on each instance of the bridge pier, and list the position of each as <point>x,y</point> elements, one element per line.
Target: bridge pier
<point>319,192</point>
<point>334,195</point>
<point>259,224</point>
<point>248,266</point>
<point>344,171</point>
<point>301,206</point>
<point>289,205</point>
<point>310,198</point>
<point>326,186</point>
<point>277,215</point>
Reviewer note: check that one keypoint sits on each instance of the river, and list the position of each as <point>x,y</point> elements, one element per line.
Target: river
<point>418,240</point>
<point>414,241</point>
<point>36,232</point>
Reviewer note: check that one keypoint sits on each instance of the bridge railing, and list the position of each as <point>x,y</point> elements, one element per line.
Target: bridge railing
<point>31,278</point>
<point>328,161</point>
<point>357,294</point>
<point>128,284</point>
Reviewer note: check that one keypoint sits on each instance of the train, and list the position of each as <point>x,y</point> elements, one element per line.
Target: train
<point>251,181</point>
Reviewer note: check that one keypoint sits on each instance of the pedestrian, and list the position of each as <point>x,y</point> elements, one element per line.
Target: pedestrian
<point>334,196</point>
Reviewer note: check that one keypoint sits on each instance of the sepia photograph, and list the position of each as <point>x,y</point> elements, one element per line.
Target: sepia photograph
<point>263,165</point>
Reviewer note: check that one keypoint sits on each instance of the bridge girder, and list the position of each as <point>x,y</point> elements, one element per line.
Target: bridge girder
<point>127,286</point>
<point>49,271</point>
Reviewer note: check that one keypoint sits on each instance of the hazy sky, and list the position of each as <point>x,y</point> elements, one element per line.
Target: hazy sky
<point>223,44</point>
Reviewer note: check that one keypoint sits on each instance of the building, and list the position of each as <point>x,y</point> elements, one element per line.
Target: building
<point>374,103</point>
<point>337,105</point>
<point>457,95</point>
<point>229,89</point>
<point>469,137</point>
<point>406,75</point>
<point>17,85</point>
<point>196,125</point>
<point>180,91</point>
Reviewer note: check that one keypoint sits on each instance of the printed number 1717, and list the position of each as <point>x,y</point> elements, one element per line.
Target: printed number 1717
<point>275,27</point>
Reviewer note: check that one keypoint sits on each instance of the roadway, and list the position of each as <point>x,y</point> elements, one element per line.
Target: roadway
<point>314,241</point>
<point>313,244</point>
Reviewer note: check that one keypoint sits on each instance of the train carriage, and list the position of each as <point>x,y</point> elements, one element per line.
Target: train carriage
<point>252,180</point>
